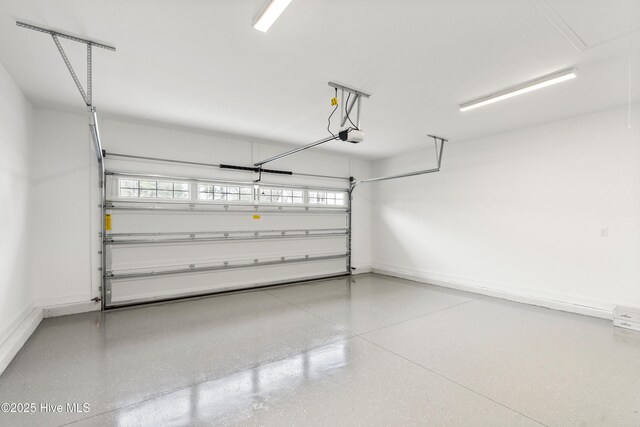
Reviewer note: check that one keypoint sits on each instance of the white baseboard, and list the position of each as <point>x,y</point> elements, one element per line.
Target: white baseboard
<point>76,298</point>
<point>19,335</point>
<point>66,309</point>
<point>11,326</point>
<point>362,270</point>
<point>601,309</point>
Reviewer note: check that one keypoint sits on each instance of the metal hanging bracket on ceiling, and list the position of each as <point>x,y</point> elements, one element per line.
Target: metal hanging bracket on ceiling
<point>357,97</point>
<point>55,35</point>
<point>345,113</point>
<point>438,143</point>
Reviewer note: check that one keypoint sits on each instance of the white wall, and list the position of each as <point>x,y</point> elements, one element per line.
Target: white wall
<point>62,209</point>
<point>16,302</point>
<point>67,216</point>
<point>521,214</point>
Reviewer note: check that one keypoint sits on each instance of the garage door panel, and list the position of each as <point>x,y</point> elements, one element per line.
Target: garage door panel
<point>188,222</point>
<point>153,288</point>
<point>152,255</point>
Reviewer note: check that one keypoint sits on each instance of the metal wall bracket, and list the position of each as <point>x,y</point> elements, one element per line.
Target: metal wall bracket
<point>438,143</point>
<point>106,293</point>
<point>87,96</point>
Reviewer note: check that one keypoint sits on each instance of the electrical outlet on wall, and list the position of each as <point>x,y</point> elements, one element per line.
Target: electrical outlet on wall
<point>604,232</point>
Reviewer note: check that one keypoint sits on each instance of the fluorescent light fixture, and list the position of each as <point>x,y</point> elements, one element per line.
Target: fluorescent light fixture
<point>268,15</point>
<point>531,85</point>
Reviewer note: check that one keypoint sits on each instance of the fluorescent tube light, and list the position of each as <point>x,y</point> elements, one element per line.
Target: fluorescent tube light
<point>531,85</point>
<point>268,15</point>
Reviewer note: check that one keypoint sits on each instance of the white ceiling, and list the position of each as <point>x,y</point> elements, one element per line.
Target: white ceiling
<point>199,63</point>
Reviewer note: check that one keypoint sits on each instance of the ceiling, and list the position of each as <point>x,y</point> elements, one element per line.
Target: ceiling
<point>200,64</point>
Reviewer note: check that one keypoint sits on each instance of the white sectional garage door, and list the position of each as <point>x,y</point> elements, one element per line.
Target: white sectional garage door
<point>170,237</point>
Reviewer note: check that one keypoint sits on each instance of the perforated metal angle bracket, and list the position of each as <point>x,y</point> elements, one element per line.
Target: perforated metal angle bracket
<point>438,143</point>
<point>356,101</point>
<point>87,96</point>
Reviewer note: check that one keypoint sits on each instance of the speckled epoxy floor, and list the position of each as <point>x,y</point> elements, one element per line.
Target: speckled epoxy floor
<point>371,350</point>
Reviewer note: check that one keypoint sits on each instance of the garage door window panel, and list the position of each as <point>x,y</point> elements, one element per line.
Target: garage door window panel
<point>149,189</point>
<point>281,196</point>
<point>327,198</point>
<point>224,193</point>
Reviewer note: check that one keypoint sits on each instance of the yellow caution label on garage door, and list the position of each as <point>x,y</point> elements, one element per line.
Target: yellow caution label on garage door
<point>107,221</point>
<point>256,217</point>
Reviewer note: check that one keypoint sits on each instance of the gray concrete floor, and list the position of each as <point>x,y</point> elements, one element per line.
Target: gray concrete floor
<point>371,350</point>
